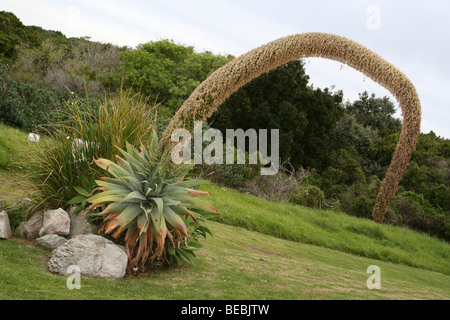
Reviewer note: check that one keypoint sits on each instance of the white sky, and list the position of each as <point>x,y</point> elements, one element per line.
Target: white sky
<point>414,35</point>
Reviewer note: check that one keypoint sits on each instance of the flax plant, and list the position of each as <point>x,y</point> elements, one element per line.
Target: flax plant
<point>87,128</point>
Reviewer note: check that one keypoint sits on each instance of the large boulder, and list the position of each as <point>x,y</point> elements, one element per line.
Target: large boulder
<point>55,222</point>
<point>5,228</point>
<point>50,241</point>
<point>30,229</point>
<point>94,255</point>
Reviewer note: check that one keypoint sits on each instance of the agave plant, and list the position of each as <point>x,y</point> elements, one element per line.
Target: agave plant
<point>147,200</point>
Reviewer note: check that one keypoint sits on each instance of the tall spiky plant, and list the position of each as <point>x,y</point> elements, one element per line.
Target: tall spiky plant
<point>147,200</point>
<point>58,161</point>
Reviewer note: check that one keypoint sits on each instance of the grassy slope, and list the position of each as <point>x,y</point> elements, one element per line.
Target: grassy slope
<point>332,229</point>
<point>13,183</point>
<point>241,264</point>
<point>234,264</point>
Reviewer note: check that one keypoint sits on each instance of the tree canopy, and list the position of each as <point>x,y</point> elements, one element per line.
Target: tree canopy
<point>167,72</point>
<point>281,99</point>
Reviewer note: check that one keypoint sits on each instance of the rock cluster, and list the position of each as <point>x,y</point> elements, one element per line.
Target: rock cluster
<point>71,239</point>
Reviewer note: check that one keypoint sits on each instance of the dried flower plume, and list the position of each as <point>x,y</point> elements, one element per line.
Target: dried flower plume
<point>210,94</point>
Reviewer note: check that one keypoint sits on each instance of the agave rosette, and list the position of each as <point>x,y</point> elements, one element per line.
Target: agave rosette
<point>148,200</point>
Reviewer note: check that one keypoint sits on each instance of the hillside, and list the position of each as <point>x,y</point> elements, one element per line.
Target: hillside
<point>331,229</point>
<point>273,238</point>
<point>336,152</point>
<point>235,264</point>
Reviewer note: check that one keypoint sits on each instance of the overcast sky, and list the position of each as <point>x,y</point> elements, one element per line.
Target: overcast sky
<point>414,35</point>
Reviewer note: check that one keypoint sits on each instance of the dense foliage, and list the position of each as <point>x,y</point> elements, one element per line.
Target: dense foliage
<point>282,100</point>
<point>12,34</point>
<point>167,72</point>
<point>345,149</point>
<point>26,106</point>
<point>87,129</point>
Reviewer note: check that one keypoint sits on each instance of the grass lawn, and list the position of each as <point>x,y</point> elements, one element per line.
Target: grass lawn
<point>331,229</point>
<point>260,250</point>
<point>234,264</point>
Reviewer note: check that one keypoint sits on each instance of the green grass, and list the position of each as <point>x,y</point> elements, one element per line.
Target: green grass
<point>14,184</point>
<point>234,264</point>
<point>260,250</point>
<point>331,229</point>
<point>12,143</point>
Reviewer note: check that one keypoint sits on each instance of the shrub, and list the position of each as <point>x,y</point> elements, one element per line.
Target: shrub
<point>414,211</point>
<point>230,175</point>
<point>359,199</point>
<point>308,196</point>
<point>26,106</point>
<point>273,188</point>
<point>87,129</point>
<point>359,206</point>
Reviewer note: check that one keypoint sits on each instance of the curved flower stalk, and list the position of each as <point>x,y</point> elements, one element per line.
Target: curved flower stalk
<point>146,200</point>
<point>221,84</point>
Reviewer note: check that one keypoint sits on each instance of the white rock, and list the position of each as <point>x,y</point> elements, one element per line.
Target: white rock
<point>31,228</point>
<point>50,241</point>
<point>55,222</point>
<point>94,255</point>
<point>5,228</point>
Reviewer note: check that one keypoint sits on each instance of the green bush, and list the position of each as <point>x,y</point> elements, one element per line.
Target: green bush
<point>61,160</point>
<point>357,205</point>
<point>414,211</point>
<point>165,71</point>
<point>308,196</point>
<point>431,181</point>
<point>230,175</point>
<point>26,106</point>
<point>13,33</point>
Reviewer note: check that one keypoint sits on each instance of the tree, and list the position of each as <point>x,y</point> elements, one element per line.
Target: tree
<point>13,33</point>
<point>281,99</point>
<point>167,72</point>
<point>374,112</point>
